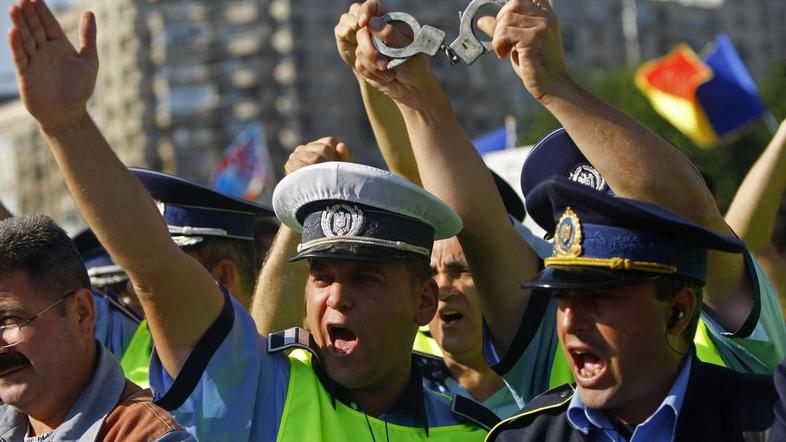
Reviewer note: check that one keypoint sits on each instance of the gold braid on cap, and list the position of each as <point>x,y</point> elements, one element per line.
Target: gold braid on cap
<point>610,263</point>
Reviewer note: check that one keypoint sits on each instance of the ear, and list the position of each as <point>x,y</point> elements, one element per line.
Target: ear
<point>225,272</point>
<point>683,301</point>
<point>427,301</point>
<point>85,311</point>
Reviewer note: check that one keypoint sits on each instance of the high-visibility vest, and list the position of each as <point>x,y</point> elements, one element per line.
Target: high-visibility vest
<point>309,414</point>
<point>136,358</point>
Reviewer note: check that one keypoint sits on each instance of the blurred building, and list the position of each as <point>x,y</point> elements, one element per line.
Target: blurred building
<point>179,79</point>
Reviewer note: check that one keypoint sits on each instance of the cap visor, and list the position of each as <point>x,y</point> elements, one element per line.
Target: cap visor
<point>586,278</point>
<point>357,252</point>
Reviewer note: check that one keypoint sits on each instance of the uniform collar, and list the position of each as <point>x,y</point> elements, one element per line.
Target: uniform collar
<point>659,426</point>
<point>408,410</point>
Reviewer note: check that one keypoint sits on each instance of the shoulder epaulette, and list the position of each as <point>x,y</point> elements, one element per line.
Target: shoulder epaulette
<point>473,411</point>
<point>431,367</point>
<point>556,398</point>
<point>291,338</point>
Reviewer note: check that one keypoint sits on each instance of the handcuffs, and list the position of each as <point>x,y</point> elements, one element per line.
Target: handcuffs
<point>430,40</point>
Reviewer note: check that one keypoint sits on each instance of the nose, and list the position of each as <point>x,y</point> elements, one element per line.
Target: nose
<point>339,297</point>
<point>572,317</point>
<point>444,283</point>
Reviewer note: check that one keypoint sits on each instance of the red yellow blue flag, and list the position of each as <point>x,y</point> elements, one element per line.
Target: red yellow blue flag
<point>705,98</point>
<point>245,168</point>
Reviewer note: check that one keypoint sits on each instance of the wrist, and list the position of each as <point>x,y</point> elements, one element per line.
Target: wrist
<point>62,128</point>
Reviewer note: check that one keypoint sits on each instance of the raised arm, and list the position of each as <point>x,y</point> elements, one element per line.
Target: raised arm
<point>451,168</point>
<point>635,162</point>
<point>386,121</point>
<point>755,206</point>
<point>178,295</point>
<point>279,298</point>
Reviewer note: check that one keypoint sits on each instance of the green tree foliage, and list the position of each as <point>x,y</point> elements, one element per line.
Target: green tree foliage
<point>724,165</point>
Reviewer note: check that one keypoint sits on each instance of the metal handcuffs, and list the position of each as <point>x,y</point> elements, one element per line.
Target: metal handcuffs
<point>430,40</point>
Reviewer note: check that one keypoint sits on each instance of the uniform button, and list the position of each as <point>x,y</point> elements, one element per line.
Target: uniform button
<point>564,394</point>
<point>353,405</point>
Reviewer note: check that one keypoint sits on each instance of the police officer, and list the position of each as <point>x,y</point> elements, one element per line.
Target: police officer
<point>628,277</point>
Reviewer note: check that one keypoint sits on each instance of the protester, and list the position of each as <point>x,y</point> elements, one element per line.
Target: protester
<point>57,382</point>
<point>207,350</point>
<point>628,279</point>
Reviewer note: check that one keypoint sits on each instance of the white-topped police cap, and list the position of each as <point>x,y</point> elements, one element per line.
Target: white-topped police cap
<point>356,212</point>
<point>193,212</point>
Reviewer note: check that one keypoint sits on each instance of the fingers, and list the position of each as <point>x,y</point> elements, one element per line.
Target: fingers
<point>370,8</point>
<point>30,15</point>
<point>369,62</point>
<point>319,151</point>
<point>26,38</point>
<point>20,57</point>
<point>487,24</point>
<point>87,36</point>
<point>393,36</point>
<point>48,20</point>
<point>513,29</point>
<point>343,152</point>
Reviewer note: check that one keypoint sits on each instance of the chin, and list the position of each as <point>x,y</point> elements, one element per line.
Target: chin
<point>599,398</point>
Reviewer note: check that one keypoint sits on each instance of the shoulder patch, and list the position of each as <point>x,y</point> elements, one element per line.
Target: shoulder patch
<point>288,339</point>
<point>553,399</point>
<point>473,411</point>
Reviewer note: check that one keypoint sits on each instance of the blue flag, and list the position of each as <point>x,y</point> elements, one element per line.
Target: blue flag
<point>730,98</point>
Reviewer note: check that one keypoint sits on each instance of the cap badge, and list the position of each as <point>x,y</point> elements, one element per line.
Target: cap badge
<point>587,175</point>
<point>567,235</point>
<point>342,220</point>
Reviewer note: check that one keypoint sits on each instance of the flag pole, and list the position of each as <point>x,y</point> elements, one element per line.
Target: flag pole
<point>630,29</point>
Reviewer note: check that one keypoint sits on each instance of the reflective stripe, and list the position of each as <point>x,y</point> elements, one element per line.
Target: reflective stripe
<point>425,343</point>
<point>706,349</point>
<point>136,359</point>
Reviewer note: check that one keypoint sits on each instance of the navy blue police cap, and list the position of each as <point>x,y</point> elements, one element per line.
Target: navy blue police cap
<point>602,241</point>
<point>558,155</point>
<point>361,213</point>
<point>193,212</point>
<point>101,269</point>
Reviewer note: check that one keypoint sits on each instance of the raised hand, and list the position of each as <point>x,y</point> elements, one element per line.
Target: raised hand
<point>404,84</point>
<point>348,25</point>
<point>528,32</point>
<point>55,79</point>
<point>319,151</point>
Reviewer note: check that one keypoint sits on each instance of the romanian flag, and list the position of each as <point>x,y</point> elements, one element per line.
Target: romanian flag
<point>706,98</point>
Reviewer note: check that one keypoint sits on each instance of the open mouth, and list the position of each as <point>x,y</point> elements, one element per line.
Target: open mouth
<point>343,341</point>
<point>588,367</point>
<point>450,316</point>
<point>12,362</point>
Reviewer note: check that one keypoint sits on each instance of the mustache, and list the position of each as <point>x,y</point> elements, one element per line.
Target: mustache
<point>12,359</point>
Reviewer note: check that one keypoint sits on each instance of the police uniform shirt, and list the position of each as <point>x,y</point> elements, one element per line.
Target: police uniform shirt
<point>114,329</point>
<point>232,389</point>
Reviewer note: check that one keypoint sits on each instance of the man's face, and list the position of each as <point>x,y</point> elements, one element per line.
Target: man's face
<point>363,317</point>
<point>615,342</point>
<point>34,371</point>
<point>458,325</point>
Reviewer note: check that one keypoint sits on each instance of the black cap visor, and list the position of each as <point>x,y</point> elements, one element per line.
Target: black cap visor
<point>586,278</point>
<point>358,252</point>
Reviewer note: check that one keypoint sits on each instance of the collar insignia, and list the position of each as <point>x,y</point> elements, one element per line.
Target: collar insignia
<point>587,175</point>
<point>342,220</point>
<point>567,235</point>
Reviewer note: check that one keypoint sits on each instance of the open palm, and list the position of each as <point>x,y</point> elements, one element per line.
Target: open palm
<point>55,80</point>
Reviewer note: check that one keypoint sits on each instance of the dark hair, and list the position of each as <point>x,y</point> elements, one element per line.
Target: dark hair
<point>419,270</point>
<point>667,286</point>
<point>213,249</point>
<point>43,250</point>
